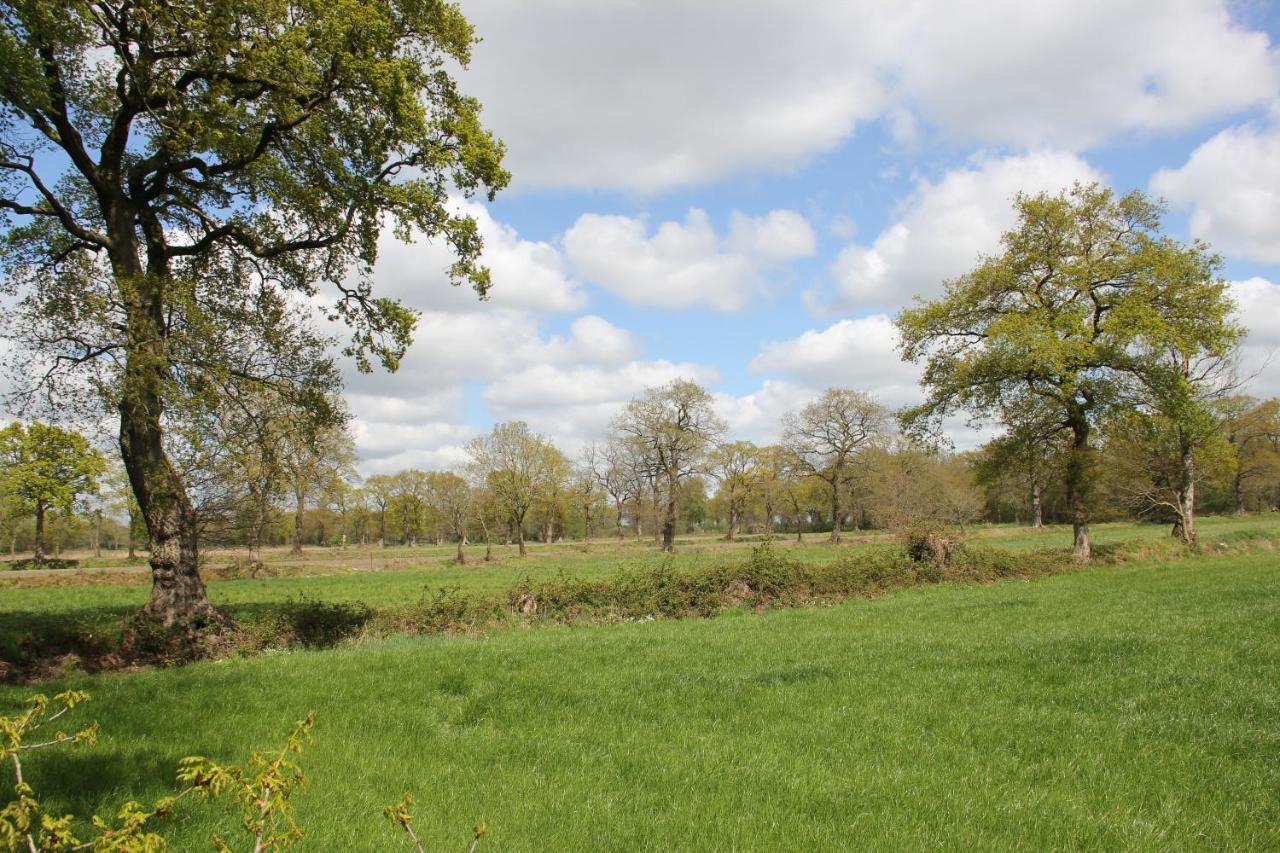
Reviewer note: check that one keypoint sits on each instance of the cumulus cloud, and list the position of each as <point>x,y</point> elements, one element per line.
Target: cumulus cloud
<point>1258,300</point>
<point>1076,73</point>
<point>757,415</point>
<point>526,274</point>
<point>687,264</point>
<point>860,353</point>
<point>1231,183</point>
<point>650,96</point>
<point>945,227</point>
<point>575,403</point>
<point>419,411</point>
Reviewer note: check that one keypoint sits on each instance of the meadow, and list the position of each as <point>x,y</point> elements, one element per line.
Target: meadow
<point>1117,706</point>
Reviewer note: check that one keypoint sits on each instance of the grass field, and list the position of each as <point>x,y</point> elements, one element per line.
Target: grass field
<point>1131,707</point>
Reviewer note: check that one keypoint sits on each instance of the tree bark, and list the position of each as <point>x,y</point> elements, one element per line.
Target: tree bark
<point>1185,527</point>
<point>1077,487</point>
<point>835,512</point>
<point>669,518</point>
<point>38,546</point>
<point>133,553</point>
<point>461,559</point>
<point>733,523</point>
<point>1037,507</point>
<point>519,526</point>
<point>178,596</point>
<point>97,533</point>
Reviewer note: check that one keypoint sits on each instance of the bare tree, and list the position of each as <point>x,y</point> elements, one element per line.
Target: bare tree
<point>675,424</point>
<point>830,434</point>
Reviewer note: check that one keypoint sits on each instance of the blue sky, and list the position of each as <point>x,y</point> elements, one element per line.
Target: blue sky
<point>746,192</point>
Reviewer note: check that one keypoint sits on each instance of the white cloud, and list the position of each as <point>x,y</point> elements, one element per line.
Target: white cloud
<point>686,264</point>
<point>1258,301</point>
<point>946,225</point>
<point>416,416</point>
<point>1075,73</point>
<point>526,274</point>
<point>1232,185</point>
<point>757,416</point>
<point>575,403</point>
<point>650,96</point>
<point>860,354</point>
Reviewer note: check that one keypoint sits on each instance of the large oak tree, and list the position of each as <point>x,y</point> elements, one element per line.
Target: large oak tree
<point>1075,315</point>
<point>167,164</point>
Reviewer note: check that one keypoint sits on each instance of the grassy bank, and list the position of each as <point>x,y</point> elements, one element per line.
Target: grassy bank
<point>1132,706</point>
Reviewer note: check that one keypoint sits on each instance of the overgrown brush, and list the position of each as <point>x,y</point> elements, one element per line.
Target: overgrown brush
<point>769,577</point>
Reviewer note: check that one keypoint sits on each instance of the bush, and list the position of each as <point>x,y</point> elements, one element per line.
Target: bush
<point>320,624</point>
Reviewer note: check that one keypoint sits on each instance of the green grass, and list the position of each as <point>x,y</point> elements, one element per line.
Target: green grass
<point>1130,707</point>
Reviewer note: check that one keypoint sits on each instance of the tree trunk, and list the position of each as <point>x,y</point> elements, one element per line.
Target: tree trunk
<point>669,519</point>
<point>733,523</point>
<point>133,543</point>
<point>461,559</point>
<point>519,526</point>
<point>1037,508</point>
<point>38,546</point>
<point>1185,528</point>
<point>97,533</point>
<point>1237,491</point>
<point>835,512</point>
<point>1077,487</point>
<point>178,596</point>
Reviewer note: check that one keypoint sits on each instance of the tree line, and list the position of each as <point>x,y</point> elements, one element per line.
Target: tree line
<point>843,462</point>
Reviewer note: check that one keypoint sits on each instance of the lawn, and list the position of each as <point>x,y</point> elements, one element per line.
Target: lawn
<point>1129,707</point>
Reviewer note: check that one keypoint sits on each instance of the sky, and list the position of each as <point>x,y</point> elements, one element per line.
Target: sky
<point>746,192</point>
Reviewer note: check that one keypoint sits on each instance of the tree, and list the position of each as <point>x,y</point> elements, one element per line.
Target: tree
<point>316,454</point>
<point>46,467</point>
<point>409,498</point>
<point>1253,431</point>
<point>1069,315</point>
<point>452,497</point>
<point>674,424</point>
<point>1027,453</point>
<point>734,465</point>
<point>826,438</point>
<point>557,475</point>
<point>511,461</point>
<point>169,164</point>
<point>380,488</point>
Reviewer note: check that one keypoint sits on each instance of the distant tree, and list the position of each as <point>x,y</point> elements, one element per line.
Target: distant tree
<point>734,466</point>
<point>1027,454</point>
<point>409,498</point>
<point>913,486</point>
<point>121,502</point>
<point>675,425</point>
<point>554,488</point>
<point>1083,296</point>
<point>380,488</point>
<point>452,498</point>
<point>828,436</point>
<point>511,461</point>
<point>47,468</point>
<point>172,165</point>
<point>1252,429</point>
<point>317,453</point>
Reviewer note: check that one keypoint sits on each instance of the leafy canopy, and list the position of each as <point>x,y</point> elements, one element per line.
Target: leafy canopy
<point>1081,303</point>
